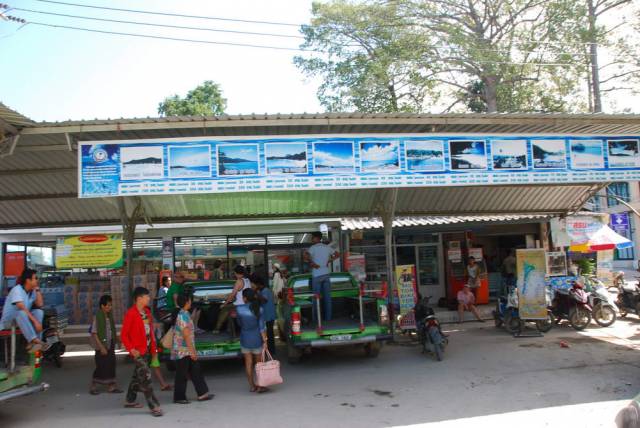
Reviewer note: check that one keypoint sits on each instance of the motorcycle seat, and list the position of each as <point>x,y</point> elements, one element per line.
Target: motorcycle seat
<point>630,288</point>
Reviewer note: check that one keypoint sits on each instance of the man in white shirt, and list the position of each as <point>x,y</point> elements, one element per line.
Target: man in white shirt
<point>19,307</point>
<point>320,256</point>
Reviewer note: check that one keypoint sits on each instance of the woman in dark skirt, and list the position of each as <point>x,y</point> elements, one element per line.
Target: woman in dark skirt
<point>103,330</point>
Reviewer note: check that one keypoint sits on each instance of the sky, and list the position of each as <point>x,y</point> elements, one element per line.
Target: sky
<point>58,74</point>
<point>246,152</point>
<point>334,154</point>
<point>190,156</point>
<point>285,149</point>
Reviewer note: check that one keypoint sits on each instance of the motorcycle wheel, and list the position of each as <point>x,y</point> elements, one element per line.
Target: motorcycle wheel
<point>579,318</point>
<point>604,315</point>
<point>545,325</point>
<point>512,324</point>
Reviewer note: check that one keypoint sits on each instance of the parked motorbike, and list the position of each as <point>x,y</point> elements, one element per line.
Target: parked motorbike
<point>53,348</point>
<point>605,310</point>
<point>506,313</point>
<point>626,297</point>
<point>572,305</point>
<point>432,339</point>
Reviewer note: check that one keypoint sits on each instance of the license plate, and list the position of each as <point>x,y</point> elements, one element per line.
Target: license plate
<point>340,337</point>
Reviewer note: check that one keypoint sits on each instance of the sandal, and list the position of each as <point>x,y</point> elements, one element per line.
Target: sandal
<point>253,389</point>
<point>133,406</point>
<point>156,412</point>
<point>206,397</point>
<point>262,390</point>
<point>94,391</point>
<point>167,387</point>
<point>115,390</point>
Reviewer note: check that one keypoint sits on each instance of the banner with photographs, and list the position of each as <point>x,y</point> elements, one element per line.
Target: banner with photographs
<point>220,165</point>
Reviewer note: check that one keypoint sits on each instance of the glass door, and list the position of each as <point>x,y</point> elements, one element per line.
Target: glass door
<point>428,269</point>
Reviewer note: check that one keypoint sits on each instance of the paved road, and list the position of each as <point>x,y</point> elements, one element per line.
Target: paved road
<point>487,379</point>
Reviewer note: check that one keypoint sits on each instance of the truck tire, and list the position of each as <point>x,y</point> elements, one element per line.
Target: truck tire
<point>293,354</point>
<point>372,349</point>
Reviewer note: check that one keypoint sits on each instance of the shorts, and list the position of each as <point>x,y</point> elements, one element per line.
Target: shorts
<point>254,351</point>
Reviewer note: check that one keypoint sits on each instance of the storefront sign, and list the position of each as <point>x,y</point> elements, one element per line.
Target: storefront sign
<point>14,263</point>
<point>604,267</point>
<point>407,295</point>
<point>206,165</point>
<point>454,256</point>
<point>531,268</point>
<point>356,266</point>
<point>89,251</point>
<point>620,224</point>
<point>476,253</point>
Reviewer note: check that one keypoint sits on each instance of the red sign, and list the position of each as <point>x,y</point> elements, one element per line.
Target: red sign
<point>14,264</point>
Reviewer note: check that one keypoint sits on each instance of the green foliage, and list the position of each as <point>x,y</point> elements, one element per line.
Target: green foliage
<point>204,100</point>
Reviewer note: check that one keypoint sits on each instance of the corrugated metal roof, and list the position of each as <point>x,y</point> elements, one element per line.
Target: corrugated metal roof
<point>14,118</point>
<point>376,223</point>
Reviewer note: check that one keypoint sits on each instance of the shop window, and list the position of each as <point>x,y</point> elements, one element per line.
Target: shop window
<point>619,190</point>
<point>202,257</point>
<point>40,257</point>
<point>412,236</point>
<point>15,248</point>
<point>594,204</point>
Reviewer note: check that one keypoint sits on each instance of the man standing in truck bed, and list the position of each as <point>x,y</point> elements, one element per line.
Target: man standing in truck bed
<point>320,256</point>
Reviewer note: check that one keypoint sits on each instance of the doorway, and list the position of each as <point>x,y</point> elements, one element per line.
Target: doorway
<point>427,260</point>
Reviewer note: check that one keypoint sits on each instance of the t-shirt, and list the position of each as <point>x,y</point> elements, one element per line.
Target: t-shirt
<point>473,272</point>
<point>10,310</point>
<point>320,254</point>
<point>268,307</point>
<point>147,327</point>
<point>175,289</point>
<point>180,349</point>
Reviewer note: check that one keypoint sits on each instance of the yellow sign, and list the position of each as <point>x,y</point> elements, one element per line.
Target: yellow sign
<point>531,268</point>
<point>89,251</point>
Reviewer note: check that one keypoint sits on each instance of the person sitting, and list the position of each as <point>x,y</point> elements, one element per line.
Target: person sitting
<point>22,306</point>
<point>466,302</point>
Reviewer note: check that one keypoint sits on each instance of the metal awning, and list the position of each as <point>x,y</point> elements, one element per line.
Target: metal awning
<point>376,223</point>
<point>38,177</point>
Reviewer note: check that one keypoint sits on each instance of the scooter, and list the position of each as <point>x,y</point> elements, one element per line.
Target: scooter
<point>605,311</point>
<point>53,348</point>
<point>506,313</point>
<point>627,298</point>
<point>432,339</point>
<point>572,305</point>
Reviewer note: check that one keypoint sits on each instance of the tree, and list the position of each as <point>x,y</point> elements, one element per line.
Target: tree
<point>204,100</point>
<point>494,53</point>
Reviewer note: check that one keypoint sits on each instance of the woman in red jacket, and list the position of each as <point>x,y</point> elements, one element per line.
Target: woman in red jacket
<point>138,338</point>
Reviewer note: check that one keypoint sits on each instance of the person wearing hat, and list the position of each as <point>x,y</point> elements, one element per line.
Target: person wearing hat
<point>466,302</point>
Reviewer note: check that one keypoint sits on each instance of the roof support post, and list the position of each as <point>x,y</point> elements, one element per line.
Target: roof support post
<point>129,222</point>
<point>387,212</point>
<point>12,143</point>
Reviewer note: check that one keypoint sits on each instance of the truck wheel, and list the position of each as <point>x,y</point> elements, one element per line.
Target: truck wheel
<point>171,366</point>
<point>293,354</point>
<point>372,349</point>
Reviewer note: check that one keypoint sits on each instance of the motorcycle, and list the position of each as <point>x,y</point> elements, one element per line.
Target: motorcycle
<point>627,297</point>
<point>605,310</point>
<point>53,348</point>
<point>432,339</point>
<point>506,313</point>
<point>572,305</point>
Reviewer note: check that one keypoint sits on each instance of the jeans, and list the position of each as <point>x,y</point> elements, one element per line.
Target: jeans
<point>26,326</point>
<point>185,368</point>
<point>322,285</point>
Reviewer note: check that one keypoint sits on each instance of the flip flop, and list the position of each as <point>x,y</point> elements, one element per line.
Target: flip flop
<point>156,412</point>
<point>133,406</point>
<point>206,397</point>
<point>253,389</point>
<point>94,392</point>
<point>115,391</point>
<point>167,387</point>
<point>262,390</point>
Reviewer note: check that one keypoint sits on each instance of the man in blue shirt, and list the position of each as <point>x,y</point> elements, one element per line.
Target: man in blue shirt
<point>320,256</point>
<point>19,307</point>
<point>265,295</point>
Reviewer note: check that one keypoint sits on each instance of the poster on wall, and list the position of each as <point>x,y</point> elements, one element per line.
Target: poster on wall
<point>531,269</point>
<point>356,266</point>
<point>407,295</point>
<point>556,263</point>
<point>89,251</point>
<point>228,164</point>
<point>604,267</point>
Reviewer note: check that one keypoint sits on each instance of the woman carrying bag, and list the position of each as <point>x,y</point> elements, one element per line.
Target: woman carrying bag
<point>103,338</point>
<point>183,352</point>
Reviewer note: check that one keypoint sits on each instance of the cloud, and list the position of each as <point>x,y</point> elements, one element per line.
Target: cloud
<point>509,148</point>
<point>380,152</point>
<point>325,158</point>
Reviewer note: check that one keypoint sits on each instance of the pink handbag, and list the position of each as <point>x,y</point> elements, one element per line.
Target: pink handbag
<point>268,372</point>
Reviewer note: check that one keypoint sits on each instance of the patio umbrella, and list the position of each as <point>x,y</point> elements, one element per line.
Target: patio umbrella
<point>603,238</point>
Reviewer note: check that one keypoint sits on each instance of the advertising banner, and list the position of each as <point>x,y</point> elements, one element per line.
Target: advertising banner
<point>531,269</point>
<point>356,266</point>
<point>89,251</point>
<point>208,165</point>
<point>407,295</point>
<point>604,267</point>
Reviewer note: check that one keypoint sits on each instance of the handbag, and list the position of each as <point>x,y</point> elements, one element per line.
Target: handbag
<point>268,371</point>
<point>167,339</point>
